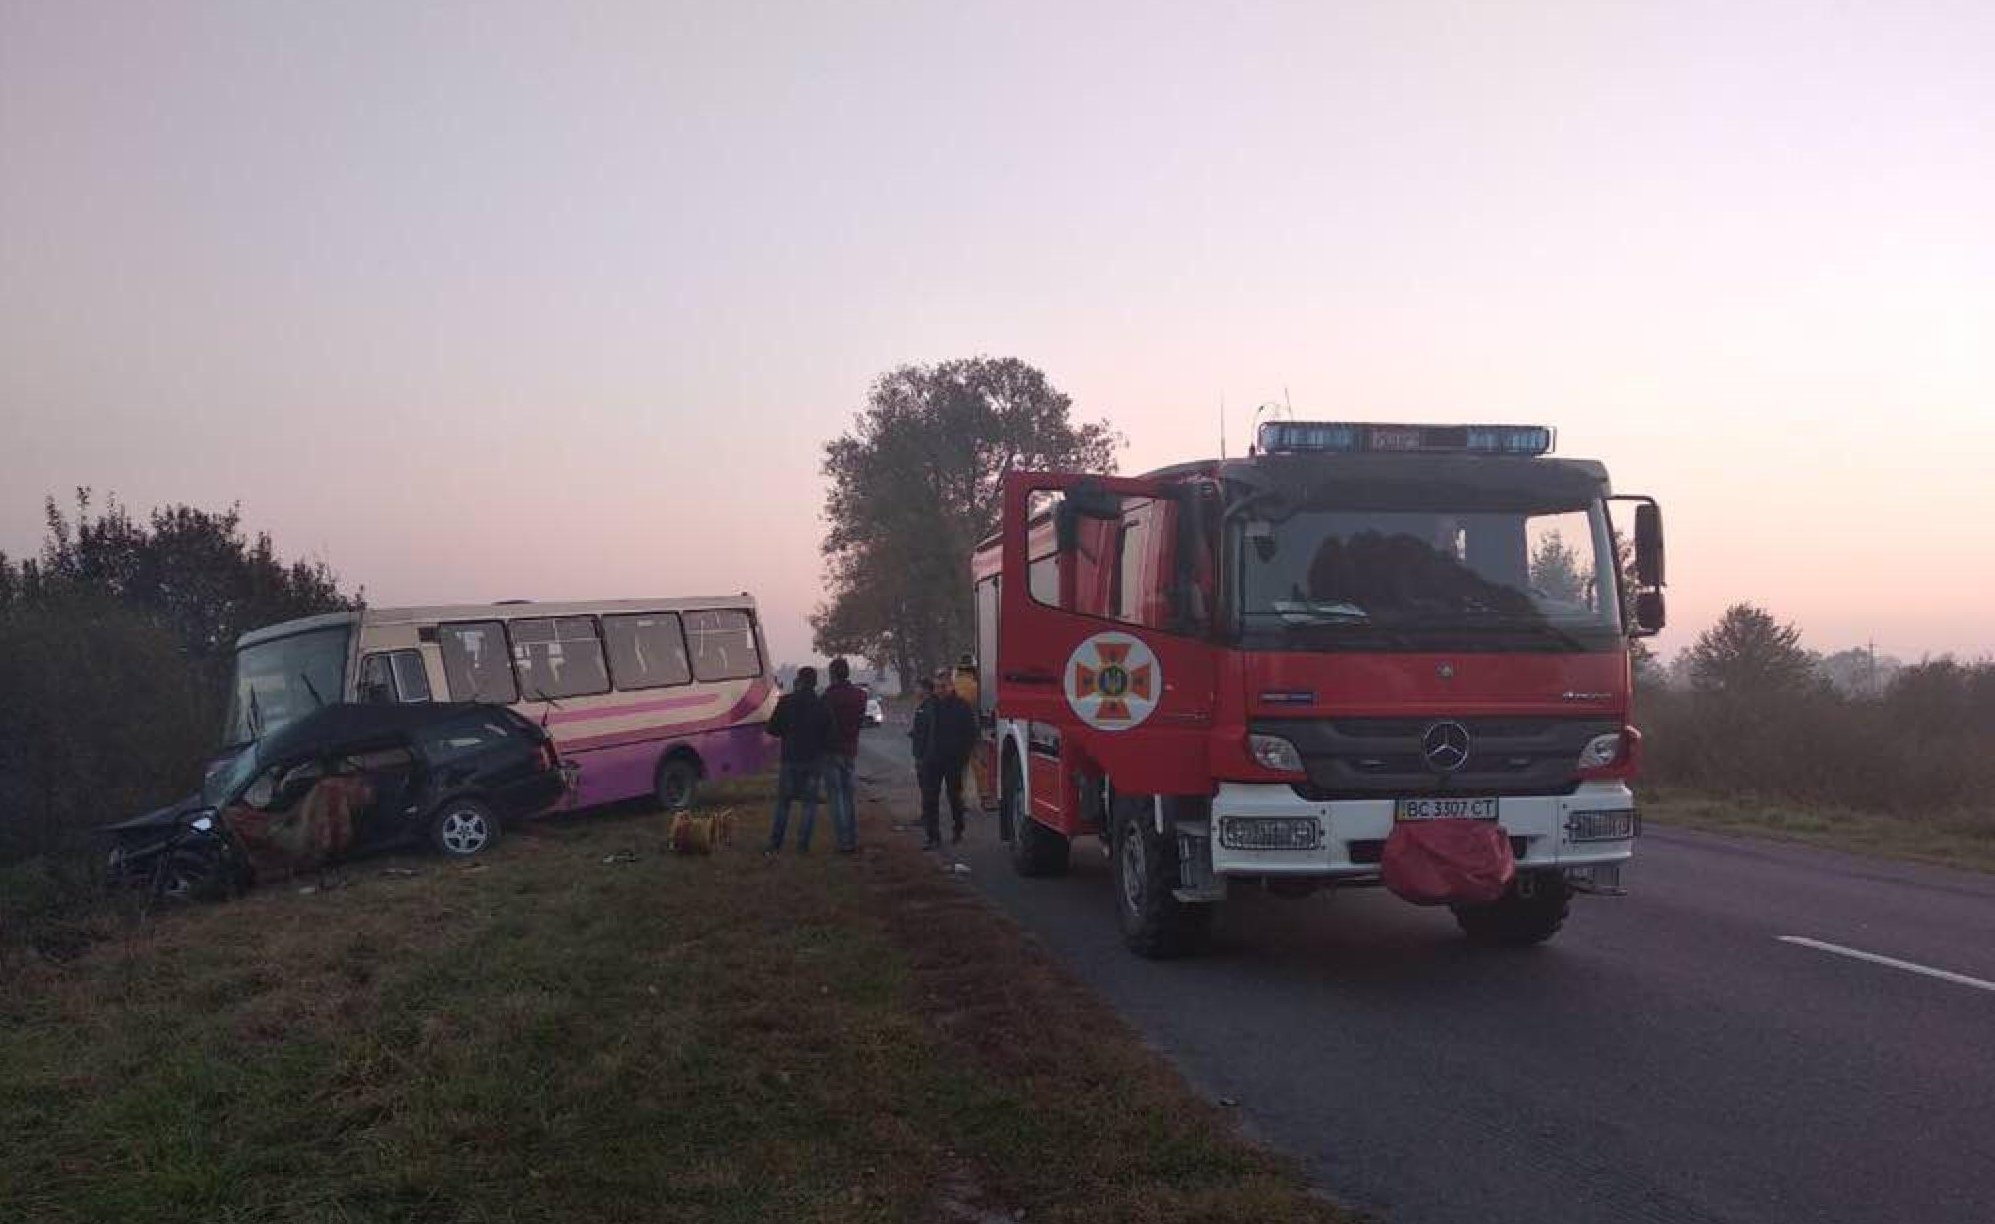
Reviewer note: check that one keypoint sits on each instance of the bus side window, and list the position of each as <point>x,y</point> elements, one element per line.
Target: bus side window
<point>477,662</point>
<point>398,676</point>
<point>377,680</point>
<point>411,676</point>
<point>723,645</point>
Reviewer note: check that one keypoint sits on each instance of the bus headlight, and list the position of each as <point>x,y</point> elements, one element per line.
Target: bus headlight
<point>1601,751</point>
<point>1274,752</point>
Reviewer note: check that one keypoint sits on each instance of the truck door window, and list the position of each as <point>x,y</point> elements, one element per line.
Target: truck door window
<point>1131,598</point>
<point>1120,562</point>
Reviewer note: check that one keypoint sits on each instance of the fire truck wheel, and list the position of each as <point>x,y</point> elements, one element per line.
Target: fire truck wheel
<point>1154,922</point>
<point>1515,920</point>
<point>1035,849</point>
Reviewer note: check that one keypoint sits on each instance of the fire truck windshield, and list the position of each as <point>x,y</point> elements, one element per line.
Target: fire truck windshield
<point>1356,579</point>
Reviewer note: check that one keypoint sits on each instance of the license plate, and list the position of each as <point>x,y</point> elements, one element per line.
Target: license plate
<point>1445,809</point>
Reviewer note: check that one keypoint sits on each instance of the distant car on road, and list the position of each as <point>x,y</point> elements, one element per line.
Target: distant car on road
<point>876,714</point>
<point>344,780</point>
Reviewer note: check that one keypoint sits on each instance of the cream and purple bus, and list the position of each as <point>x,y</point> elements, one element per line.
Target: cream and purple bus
<point>644,696</point>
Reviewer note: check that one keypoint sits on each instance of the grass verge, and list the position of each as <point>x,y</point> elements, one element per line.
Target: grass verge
<point>583,1026</point>
<point>1948,839</point>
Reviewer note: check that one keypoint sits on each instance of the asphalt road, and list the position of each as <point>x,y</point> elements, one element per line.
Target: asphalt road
<point>1670,1056</point>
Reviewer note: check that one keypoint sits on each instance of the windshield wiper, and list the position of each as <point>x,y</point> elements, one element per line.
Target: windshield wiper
<point>541,696</point>
<point>313,690</point>
<point>255,717</point>
<point>1312,612</point>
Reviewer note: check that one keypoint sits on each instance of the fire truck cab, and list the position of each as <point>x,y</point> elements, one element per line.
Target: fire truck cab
<point>1251,672</point>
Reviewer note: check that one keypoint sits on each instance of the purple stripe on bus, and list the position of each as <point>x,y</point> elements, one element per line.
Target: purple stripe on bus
<point>754,699</point>
<point>557,717</point>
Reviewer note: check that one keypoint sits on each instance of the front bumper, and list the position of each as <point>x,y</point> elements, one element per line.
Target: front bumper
<point>1353,831</point>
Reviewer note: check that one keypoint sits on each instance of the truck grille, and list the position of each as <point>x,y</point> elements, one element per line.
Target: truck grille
<point>1375,758</point>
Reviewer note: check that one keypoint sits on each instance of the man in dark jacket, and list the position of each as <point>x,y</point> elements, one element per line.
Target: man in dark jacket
<point>951,738</point>
<point>803,722</point>
<point>847,702</point>
<point>924,712</point>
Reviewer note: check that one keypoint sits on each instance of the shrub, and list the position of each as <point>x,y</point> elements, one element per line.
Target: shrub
<point>102,716</point>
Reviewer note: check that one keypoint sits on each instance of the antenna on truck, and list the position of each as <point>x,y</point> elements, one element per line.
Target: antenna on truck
<point>1222,425</point>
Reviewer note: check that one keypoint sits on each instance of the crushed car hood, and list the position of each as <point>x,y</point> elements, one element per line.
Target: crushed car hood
<point>158,818</point>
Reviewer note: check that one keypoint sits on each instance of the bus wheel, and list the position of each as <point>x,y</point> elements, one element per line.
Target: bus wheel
<point>678,782</point>
<point>1035,849</point>
<point>1154,922</point>
<point>1518,918</point>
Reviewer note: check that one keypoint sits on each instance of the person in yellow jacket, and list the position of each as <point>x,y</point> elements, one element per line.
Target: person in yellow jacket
<point>963,677</point>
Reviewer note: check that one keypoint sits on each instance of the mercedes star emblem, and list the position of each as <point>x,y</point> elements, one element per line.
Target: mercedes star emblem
<point>1446,746</point>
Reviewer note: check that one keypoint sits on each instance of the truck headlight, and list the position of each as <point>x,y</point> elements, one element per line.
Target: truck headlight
<point>1274,752</point>
<point>1601,751</point>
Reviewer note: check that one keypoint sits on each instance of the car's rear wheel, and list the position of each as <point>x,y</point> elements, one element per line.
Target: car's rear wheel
<point>462,828</point>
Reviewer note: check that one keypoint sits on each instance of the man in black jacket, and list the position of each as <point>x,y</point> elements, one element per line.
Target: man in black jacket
<point>803,722</point>
<point>945,750</point>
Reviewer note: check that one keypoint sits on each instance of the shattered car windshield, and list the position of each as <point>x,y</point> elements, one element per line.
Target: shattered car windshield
<point>1396,579</point>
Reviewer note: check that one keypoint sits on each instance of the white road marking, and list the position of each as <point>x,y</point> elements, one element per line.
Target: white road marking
<point>1959,979</point>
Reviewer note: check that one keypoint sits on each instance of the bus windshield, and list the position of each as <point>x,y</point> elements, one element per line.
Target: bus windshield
<point>279,680</point>
<point>1354,579</point>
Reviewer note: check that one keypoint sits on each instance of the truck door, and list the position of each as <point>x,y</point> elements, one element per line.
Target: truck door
<point>1104,626</point>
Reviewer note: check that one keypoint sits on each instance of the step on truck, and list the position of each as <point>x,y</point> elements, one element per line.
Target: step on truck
<point>1301,669</point>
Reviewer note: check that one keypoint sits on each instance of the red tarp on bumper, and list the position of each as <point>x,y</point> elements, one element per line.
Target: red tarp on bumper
<point>1449,862</point>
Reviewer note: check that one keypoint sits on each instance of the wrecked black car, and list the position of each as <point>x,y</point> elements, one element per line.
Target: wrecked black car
<point>341,781</point>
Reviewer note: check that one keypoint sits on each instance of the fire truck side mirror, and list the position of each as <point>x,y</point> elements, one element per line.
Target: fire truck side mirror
<point>1649,546</point>
<point>1649,613</point>
<point>1081,503</point>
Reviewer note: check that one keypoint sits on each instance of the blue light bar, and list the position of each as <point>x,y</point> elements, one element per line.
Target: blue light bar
<point>1302,437</point>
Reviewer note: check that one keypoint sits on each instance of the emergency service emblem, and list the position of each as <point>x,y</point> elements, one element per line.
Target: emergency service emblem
<point>1113,681</point>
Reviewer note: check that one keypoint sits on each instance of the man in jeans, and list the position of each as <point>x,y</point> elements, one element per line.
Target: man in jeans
<point>803,722</point>
<point>847,702</point>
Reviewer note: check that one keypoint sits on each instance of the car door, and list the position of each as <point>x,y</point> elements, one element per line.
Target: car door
<point>392,812</point>
<point>1086,651</point>
<point>481,753</point>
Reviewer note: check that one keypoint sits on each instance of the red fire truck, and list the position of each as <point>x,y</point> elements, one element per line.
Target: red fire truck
<point>1284,670</point>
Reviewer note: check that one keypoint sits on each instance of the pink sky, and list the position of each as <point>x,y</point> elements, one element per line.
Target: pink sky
<point>490,301</point>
